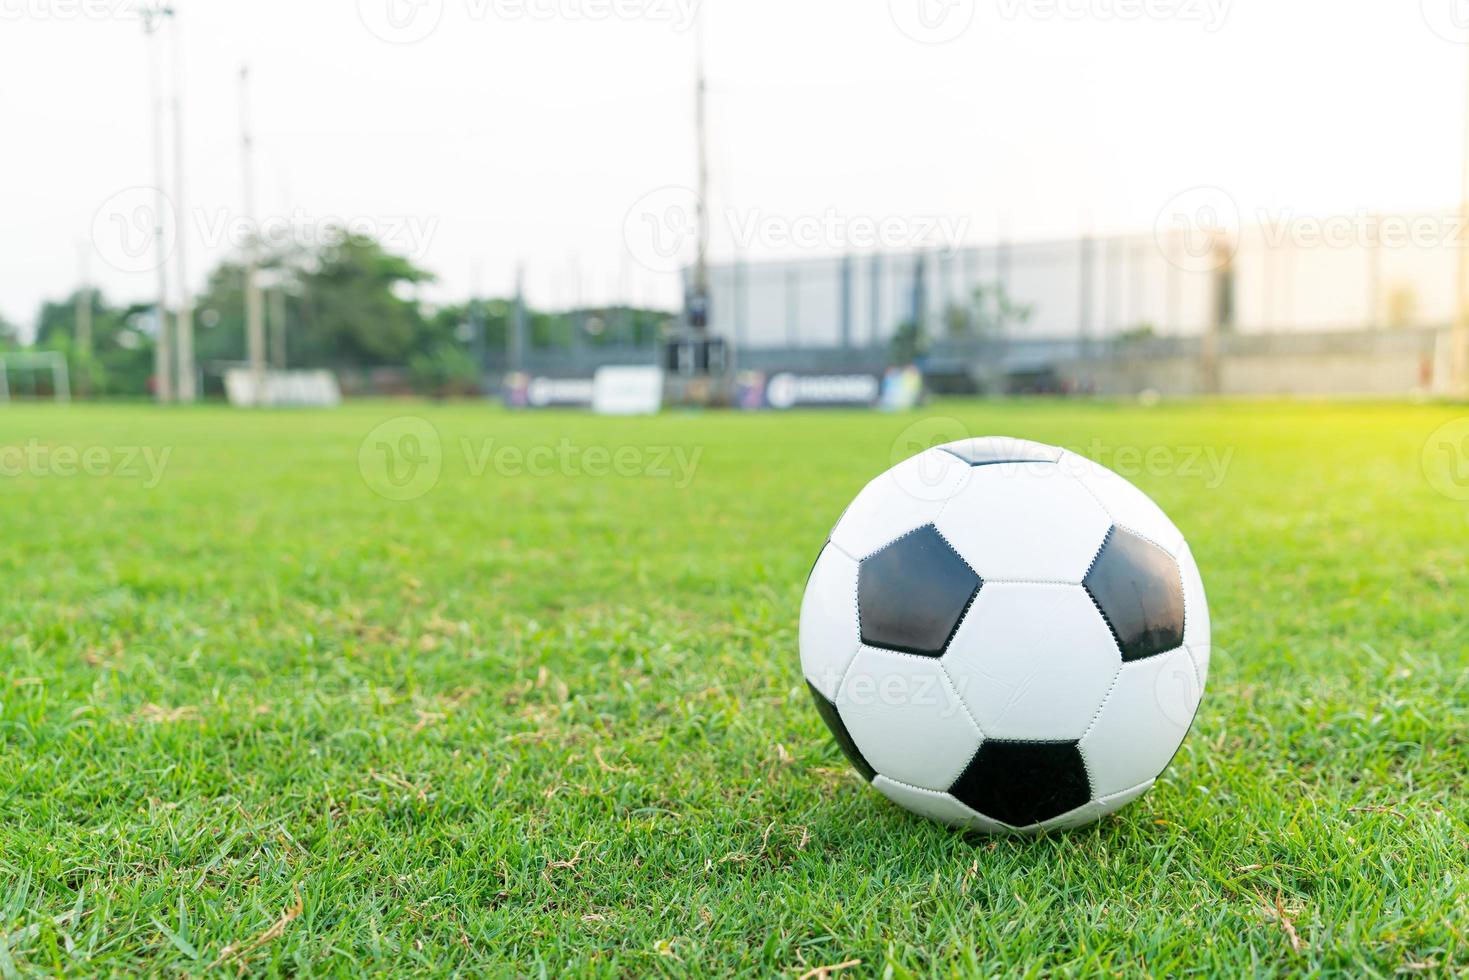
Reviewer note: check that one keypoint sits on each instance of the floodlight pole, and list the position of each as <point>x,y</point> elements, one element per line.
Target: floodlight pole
<point>699,300</point>
<point>162,359</point>
<point>184,320</point>
<point>84,318</point>
<point>1459,366</point>
<point>278,323</point>
<point>254,308</point>
<point>516,339</point>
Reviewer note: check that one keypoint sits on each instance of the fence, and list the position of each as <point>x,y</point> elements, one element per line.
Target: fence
<point>1356,305</point>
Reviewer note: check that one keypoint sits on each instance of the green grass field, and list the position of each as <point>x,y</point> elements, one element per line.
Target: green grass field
<point>256,716</point>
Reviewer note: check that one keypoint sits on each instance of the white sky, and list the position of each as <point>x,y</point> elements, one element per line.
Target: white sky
<point>526,130</point>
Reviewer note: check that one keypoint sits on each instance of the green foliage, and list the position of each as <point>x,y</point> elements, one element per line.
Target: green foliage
<point>555,725</point>
<point>446,369</point>
<point>909,343</point>
<point>363,306</point>
<point>1137,334</point>
<point>346,304</point>
<point>987,316</point>
<point>121,358</point>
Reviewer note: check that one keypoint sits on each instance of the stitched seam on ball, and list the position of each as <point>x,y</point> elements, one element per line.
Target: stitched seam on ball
<point>1102,800</point>
<point>1188,730</point>
<point>857,614</point>
<point>852,657</point>
<point>1183,591</point>
<point>1111,530</point>
<point>921,789</point>
<point>934,792</point>
<point>905,534</point>
<point>1091,493</point>
<point>978,585</point>
<point>1117,638</point>
<point>1024,581</point>
<point>1116,679</point>
<point>842,681</point>
<point>888,651</point>
<point>832,543</point>
<point>939,792</point>
<point>959,697</point>
<point>1194,662</point>
<point>1091,782</point>
<point>1127,527</point>
<point>1149,539</point>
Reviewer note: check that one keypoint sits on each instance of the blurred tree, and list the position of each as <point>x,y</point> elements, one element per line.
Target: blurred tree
<point>346,304</point>
<point>909,343</point>
<point>9,335</point>
<point>987,315</point>
<point>360,304</point>
<point>444,370</point>
<point>121,360</point>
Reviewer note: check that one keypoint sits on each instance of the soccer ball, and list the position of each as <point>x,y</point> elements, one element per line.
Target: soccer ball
<point>1005,636</point>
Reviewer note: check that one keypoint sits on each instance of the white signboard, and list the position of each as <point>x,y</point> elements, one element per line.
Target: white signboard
<point>818,390</point>
<point>627,391</point>
<point>310,389</point>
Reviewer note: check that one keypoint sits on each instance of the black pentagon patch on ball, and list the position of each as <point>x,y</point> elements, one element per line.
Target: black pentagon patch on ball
<point>988,452</point>
<point>1139,589</point>
<point>833,719</point>
<point>1023,783</point>
<point>912,594</point>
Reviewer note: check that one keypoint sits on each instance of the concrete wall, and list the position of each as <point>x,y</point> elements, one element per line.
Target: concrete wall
<point>1356,363</point>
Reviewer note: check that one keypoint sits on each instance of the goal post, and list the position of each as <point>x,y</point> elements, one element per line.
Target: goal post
<point>54,361</point>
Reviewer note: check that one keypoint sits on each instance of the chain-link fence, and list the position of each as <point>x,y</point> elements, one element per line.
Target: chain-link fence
<point>1355,304</point>
<point>1262,280</point>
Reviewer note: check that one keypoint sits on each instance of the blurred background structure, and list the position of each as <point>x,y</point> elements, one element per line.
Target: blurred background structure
<point>1252,313</point>
<point>701,213</point>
